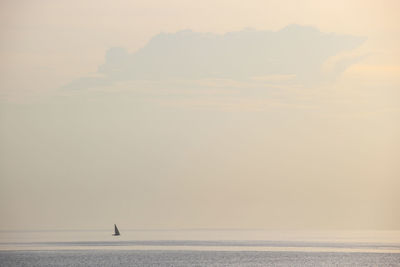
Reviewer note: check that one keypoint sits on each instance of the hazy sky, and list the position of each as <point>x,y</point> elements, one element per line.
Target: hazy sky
<point>200,114</point>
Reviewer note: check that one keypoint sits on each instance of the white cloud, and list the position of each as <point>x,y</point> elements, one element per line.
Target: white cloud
<point>295,51</point>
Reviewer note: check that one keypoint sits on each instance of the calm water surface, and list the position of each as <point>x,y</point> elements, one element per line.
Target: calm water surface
<point>199,248</point>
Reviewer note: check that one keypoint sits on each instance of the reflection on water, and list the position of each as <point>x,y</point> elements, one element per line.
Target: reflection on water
<point>193,258</point>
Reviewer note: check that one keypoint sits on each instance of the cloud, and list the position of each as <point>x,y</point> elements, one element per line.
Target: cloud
<point>295,51</point>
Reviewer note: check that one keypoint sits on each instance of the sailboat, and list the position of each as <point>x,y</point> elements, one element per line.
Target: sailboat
<point>116,231</point>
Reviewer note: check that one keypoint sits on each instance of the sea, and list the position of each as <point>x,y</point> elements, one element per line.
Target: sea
<point>199,247</point>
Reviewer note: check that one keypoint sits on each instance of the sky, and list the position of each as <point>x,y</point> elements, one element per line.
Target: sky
<point>200,114</point>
